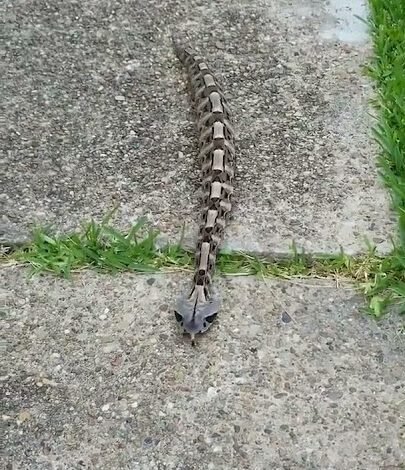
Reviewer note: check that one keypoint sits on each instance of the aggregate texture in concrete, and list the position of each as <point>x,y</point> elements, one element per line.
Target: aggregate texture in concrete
<point>291,376</point>
<point>97,113</point>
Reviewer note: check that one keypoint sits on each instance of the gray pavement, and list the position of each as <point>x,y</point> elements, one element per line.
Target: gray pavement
<point>97,113</point>
<point>292,376</point>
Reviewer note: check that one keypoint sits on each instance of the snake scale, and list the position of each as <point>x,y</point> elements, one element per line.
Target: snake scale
<point>196,312</point>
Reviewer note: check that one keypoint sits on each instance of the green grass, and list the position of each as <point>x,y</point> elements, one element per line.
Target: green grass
<point>380,278</point>
<point>102,247</point>
<point>388,71</point>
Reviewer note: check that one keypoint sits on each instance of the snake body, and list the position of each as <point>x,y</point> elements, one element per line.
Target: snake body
<point>196,312</point>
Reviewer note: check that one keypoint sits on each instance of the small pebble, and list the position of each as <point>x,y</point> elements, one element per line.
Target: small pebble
<point>23,416</point>
<point>131,66</point>
<point>285,318</point>
<point>119,98</point>
<point>148,442</point>
<point>105,407</point>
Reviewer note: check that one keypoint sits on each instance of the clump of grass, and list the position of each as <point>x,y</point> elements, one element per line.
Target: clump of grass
<point>102,247</point>
<point>380,278</point>
<point>387,69</point>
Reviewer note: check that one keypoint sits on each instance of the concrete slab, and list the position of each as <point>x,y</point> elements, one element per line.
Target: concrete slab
<point>292,376</point>
<point>96,112</point>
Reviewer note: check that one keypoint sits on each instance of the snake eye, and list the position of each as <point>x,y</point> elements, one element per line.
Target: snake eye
<point>211,318</point>
<point>179,318</point>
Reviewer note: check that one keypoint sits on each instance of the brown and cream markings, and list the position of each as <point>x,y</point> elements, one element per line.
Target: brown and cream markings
<point>196,312</point>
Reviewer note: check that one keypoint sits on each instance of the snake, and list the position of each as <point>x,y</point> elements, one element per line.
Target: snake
<point>196,311</point>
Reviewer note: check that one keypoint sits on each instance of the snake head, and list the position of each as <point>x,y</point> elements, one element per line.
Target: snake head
<point>196,317</point>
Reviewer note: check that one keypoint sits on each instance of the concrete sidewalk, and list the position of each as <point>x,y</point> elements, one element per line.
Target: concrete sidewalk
<point>292,376</point>
<point>97,113</point>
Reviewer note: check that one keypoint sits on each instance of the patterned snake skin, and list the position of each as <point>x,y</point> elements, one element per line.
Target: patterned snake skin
<point>196,312</point>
